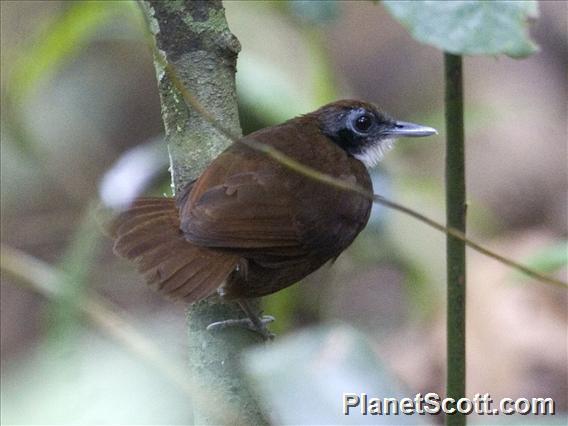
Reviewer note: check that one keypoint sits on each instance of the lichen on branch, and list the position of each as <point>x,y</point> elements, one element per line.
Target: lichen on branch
<point>194,39</point>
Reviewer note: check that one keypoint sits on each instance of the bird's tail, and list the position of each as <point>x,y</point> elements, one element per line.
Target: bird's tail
<point>148,233</point>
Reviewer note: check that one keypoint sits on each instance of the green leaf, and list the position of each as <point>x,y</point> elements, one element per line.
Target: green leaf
<point>60,41</point>
<point>475,27</point>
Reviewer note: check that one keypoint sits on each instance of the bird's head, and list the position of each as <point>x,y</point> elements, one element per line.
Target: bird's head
<point>363,130</point>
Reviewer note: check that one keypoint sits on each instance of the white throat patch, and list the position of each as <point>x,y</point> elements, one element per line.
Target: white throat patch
<point>371,156</point>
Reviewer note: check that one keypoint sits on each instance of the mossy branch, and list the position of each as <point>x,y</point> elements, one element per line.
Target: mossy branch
<point>192,38</point>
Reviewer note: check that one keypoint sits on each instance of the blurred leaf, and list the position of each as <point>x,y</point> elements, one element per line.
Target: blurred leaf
<point>76,265</point>
<point>133,173</point>
<point>548,260</point>
<point>94,382</point>
<point>46,52</point>
<point>60,41</point>
<point>418,244</point>
<point>282,305</point>
<point>474,27</point>
<point>302,378</point>
<point>314,12</point>
<point>322,76</point>
<point>268,92</point>
<point>271,87</point>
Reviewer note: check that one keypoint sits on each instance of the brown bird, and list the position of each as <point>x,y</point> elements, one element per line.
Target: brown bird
<point>249,226</point>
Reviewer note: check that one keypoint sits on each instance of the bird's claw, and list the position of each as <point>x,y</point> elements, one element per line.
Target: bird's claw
<point>247,324</point>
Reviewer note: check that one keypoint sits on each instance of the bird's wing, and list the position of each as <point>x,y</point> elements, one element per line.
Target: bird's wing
<point>240,202</point>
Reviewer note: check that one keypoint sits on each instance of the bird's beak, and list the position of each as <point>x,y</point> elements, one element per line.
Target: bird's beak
<point>404,129</point>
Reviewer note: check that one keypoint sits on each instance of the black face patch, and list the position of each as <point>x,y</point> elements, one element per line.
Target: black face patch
<point>348,141</point>
<point>355,130</point>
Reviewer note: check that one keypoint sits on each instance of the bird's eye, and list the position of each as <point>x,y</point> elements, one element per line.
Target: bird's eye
<point>363,123</point>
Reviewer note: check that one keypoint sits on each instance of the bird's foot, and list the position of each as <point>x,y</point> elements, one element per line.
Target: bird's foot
<point>259,325</point>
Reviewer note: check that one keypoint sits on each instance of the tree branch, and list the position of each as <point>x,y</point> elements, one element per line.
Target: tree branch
<point>192,37</point>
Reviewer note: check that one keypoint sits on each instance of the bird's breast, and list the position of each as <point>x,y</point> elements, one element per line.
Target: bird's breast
<point>331,218</point>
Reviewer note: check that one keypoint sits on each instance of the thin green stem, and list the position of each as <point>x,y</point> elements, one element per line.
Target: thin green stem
<point>455,247</point>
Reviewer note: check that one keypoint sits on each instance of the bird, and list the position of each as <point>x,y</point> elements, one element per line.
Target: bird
<point>249,226</point>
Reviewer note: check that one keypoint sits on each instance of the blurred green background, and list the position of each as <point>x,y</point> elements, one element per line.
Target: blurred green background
<point>81,120</point>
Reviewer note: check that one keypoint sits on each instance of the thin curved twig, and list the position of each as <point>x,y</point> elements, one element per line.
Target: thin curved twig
<point>311,173</point>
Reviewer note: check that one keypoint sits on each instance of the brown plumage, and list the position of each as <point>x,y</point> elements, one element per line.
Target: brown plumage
<point>249,226</point>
